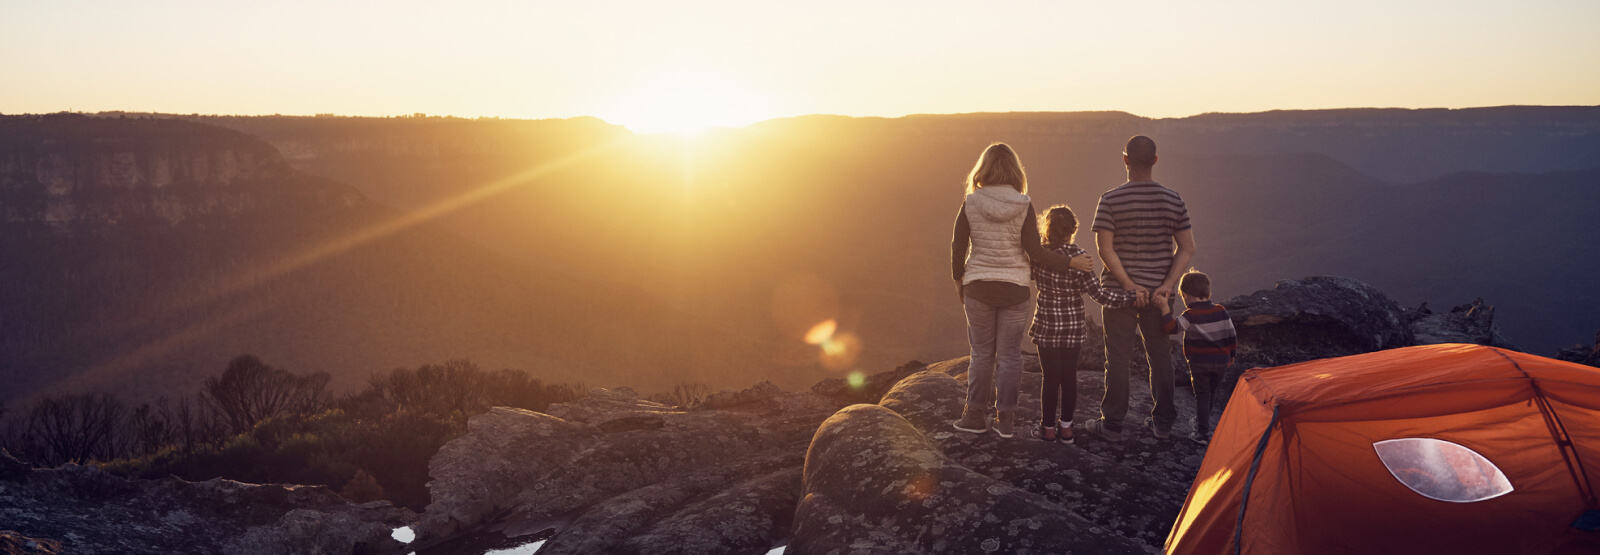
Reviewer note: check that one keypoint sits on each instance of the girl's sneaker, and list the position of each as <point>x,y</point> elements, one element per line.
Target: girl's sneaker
<point>1064,434</point>
<point>1200,437</point>
<point>1045,433</point>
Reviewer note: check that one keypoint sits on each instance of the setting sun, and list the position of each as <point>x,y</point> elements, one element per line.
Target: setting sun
<point>687,102</point>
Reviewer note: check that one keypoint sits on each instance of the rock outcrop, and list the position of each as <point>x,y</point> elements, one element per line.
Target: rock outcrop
<point>1315,317</point>
<point>1469,323</point>
<point>80,509</point>
<point>871,466</point>
<point>1583,354</point>
<point>876,484</point>
<point>617,474</point>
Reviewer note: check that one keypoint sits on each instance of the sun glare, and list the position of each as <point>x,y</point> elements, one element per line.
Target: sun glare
<point>688,102</point>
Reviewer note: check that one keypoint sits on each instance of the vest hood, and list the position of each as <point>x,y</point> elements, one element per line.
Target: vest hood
<point>997,203</point>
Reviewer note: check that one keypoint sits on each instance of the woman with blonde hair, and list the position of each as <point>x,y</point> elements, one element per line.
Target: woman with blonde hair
<point>998,222</point>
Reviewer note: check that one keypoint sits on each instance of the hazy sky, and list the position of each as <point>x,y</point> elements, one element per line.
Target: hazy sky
<point>735,61</point>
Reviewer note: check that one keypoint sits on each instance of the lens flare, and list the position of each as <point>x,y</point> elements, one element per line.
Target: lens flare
<point>820,334</point>
<point>841,351</point>
<point>856,379</point>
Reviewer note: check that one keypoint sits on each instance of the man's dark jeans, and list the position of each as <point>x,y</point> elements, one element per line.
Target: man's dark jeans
<point>1123,329</point>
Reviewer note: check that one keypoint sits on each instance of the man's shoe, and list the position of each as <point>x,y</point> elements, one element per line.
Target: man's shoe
<point>1156,429</point>
<point>1200,437</point>
<point>1097,428</point>
<point>971,421</point>
<point>1002,425</point>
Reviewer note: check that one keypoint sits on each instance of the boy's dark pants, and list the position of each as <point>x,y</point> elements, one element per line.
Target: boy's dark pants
<point>1058,368</point>
<point>1206,378</point>
<point>1123,327</point>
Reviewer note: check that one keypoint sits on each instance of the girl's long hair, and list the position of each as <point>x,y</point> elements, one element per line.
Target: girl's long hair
<point>1058,225</point>
<point>999,165</point>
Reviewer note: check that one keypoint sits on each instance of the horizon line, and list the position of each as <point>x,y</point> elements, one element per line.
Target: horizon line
<point>425,115</point>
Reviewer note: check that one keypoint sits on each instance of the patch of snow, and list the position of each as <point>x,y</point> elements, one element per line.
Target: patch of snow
<point>403,534</point>
<point>777,550</point>
<point>525,549</point>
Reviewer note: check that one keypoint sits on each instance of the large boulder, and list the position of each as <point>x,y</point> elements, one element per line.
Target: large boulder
<point>875,484</point>
<point>80,509</point>
<point>745,518</point>
<point>617,474</point>
<point>1315,317</point>
<point>1469,323</point>
<point>1133,488</point>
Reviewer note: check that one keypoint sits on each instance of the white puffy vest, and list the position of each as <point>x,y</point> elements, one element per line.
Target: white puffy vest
<point>995,214</point>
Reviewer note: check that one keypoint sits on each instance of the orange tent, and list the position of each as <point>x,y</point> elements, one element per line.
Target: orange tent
<point>1431,449</point>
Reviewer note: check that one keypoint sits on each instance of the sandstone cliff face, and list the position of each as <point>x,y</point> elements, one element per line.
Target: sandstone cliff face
<point>64,170</point>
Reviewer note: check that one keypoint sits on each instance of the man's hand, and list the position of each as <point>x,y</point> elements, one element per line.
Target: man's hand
<point>1083,262</point>
<point>1142,295</point>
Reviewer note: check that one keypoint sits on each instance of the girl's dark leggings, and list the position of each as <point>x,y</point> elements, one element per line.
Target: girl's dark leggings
<point>1059,366</point>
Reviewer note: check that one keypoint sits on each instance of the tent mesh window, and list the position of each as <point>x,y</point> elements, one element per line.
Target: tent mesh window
<point>1441,470</point>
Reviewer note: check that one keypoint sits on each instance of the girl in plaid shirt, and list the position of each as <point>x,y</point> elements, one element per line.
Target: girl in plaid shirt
<point>1059,325</point>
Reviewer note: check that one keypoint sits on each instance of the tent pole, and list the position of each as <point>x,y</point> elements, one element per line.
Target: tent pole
<point>1558,432</point>
<point>1255,464</point>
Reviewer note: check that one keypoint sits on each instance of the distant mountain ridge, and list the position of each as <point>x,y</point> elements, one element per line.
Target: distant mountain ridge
<point>65,169</point>
<point>142,254</point>
<point>1268,190</point>
<point>581,252</point>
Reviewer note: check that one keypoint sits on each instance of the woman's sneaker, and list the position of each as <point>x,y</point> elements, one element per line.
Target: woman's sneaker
<point>971,421</point>
<point>1097,427</point>
<point>1064,434</point>
<point>1003,425</point>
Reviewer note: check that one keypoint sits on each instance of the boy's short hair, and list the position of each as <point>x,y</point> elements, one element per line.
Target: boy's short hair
<point>1195,284</point>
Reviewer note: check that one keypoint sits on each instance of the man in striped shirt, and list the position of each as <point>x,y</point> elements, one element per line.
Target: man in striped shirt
<point>1209,342</point>
<point>1143,234</point>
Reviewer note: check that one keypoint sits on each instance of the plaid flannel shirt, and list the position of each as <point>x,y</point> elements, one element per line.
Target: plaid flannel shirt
<point>1059,319</point>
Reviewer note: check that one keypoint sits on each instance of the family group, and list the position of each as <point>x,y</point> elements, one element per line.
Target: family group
<point>1145,241</point>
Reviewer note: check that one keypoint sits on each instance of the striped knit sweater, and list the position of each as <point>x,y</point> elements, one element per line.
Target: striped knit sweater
<point>1208,336</point>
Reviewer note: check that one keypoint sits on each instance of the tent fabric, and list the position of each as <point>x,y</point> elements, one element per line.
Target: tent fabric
<point>1322,488</point>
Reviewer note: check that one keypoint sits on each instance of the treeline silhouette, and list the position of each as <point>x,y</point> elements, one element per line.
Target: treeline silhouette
<point>262,424</point>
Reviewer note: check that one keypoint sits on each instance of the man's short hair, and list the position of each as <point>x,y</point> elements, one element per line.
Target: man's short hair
<point>1195,284</point>
<point>1141,151</point>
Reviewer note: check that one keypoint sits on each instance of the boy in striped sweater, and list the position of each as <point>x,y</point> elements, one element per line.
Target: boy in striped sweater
<point>1208,343</point>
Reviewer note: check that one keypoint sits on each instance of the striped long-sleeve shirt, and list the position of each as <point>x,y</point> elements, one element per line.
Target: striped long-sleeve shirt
<point>1142,218</point>
<point>1208,336</point>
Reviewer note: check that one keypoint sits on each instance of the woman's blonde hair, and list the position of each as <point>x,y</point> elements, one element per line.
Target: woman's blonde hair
<point>999,165</point>
<point>1058,225</point>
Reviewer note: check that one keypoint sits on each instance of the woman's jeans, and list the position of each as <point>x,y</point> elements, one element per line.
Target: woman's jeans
<point>995,334</point>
